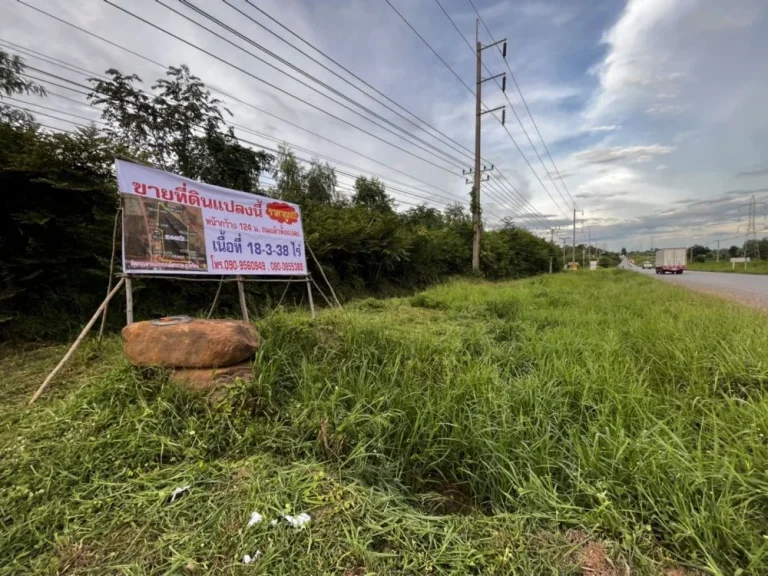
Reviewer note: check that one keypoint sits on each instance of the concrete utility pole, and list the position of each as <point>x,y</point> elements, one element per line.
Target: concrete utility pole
<point>574,233</point>
<point>564,256</point>
<point>551,241</point>
<point>718,250</point>
<point>476,187</point>
<point>574,229</point>
<point>476,211</point>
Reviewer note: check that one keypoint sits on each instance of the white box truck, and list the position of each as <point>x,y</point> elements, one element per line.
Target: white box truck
<point>670,260</point>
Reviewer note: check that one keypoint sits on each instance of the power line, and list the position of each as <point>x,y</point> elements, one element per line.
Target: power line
<point>275,87</point>
<point>327,158</point>
<point>428,45</point>
<point>342,78</point>
<point>523,211</point>
<point>46,58</point>
<point>257,145</point>
<point>63,97</point>
<point>81,29</point>
<point>467,151</point>
<point>49,108</point>
<point>234,98</point>
<point>88,72</point>
<point>245,103</point>
<point>257,133</point>
<point>231,30</point>
<point>224,61</point>
<point>516,116</point>
<point>292,145</point>
<point>53,84</point>
<point>51,115</point>
<point>52,128</point>
<point>224,93</point>
<point>524,207</point>
<point>522,98</point>
<point>261,190</point>
<point>531,167</point>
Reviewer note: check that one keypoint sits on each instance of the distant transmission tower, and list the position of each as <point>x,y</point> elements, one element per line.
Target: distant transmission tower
<point>751,234</point>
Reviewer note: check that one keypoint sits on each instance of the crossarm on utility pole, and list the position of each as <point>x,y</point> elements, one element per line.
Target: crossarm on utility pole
<point>494,78</point>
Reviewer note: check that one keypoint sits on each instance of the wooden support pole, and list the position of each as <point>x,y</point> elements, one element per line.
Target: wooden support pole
<point>241,293</point>
<point>287,285</point>
<point>79,340</point>
<point>111,270</point>
<point>335,299</point>
<point>322,293</point>
<point>309,292</point>
<point>128,301</point>
<point>216,298</point>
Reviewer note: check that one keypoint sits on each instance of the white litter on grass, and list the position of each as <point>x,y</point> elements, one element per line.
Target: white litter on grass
<point>255,519</point>
<point>298,521</point>
<point>273,522</point>
<point>179,491</point>
<point>248,559</point>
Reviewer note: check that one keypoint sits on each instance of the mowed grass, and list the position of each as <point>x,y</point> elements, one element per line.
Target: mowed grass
<point>759,267</point>
<point>476,428</point>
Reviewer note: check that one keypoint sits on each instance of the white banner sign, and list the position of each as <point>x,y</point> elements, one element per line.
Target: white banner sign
<point>172,224</point>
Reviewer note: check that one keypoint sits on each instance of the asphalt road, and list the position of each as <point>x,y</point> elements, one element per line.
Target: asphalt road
<point>749,289</point>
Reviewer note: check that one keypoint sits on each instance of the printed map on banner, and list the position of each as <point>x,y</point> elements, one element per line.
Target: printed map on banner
<point>172,224</point>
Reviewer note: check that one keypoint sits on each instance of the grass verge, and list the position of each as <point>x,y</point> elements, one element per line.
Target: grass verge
<point>582,423</point>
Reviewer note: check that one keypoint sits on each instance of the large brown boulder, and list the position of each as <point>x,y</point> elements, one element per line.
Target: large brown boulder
<point>208,378</point>
<point>195,344</point>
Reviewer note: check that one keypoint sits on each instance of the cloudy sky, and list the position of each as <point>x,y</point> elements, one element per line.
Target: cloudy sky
<point>654,111</point>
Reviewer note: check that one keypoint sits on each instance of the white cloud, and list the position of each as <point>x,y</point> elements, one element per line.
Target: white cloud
<point>632,66</point>
<point>633,154</point>
<point>658,109</point>
<point>605,128</point>
<point>761,170</point>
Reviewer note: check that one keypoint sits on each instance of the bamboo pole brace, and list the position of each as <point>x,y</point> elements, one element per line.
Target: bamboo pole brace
<point>77,342</point>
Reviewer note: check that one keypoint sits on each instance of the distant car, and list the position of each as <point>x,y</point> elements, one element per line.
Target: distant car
<point>647,266</point>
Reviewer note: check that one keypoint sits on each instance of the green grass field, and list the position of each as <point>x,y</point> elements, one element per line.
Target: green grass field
<point>586,423</point>
<point>722,266</point>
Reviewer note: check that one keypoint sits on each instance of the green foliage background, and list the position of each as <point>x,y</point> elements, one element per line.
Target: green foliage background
<point>59,200</point>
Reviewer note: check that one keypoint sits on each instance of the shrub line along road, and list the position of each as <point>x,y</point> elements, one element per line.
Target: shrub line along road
<point>749,289</point>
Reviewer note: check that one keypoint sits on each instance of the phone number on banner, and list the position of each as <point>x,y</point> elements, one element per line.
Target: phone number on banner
<point>257,266</point>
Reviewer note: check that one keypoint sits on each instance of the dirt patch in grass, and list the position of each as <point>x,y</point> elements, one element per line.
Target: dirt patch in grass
<point>75,558</point>
<point>453,499</point>
<point>592,557</point>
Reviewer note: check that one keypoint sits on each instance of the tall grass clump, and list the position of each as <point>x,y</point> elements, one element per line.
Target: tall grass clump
<point>472,428</point>
<point>606,400</point>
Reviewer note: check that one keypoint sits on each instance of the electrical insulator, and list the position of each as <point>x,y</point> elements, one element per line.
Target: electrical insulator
<point>503,116</point>
<point>504,83</point>
<point>504,50</point>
